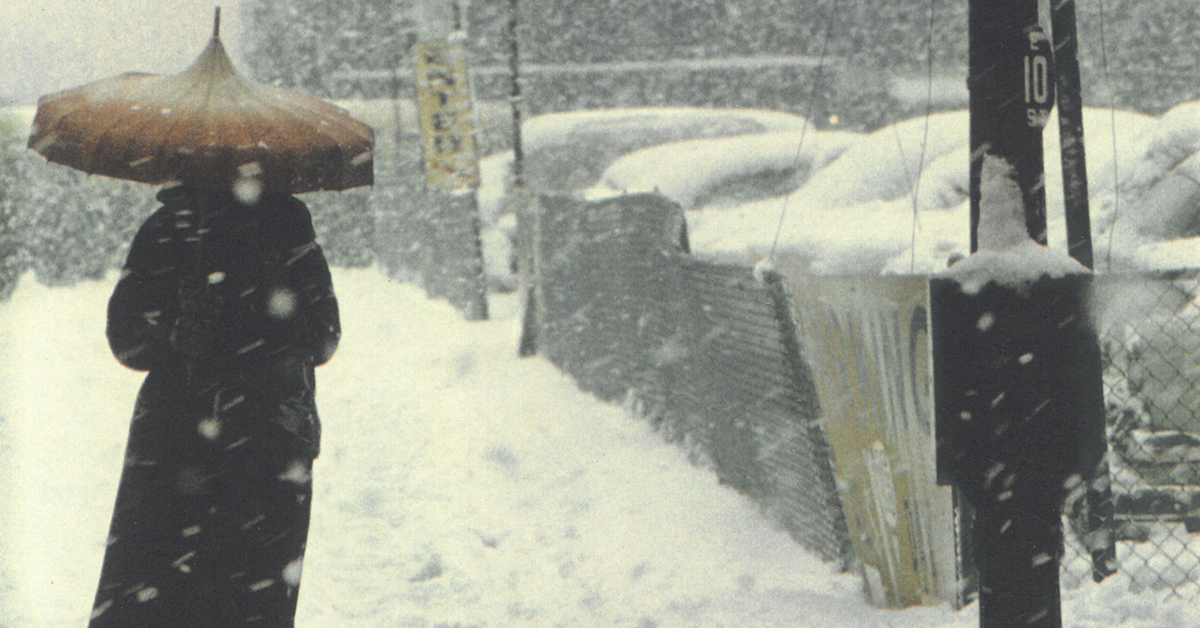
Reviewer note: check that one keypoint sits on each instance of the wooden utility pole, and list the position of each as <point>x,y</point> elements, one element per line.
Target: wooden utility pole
<point>514,71</point>
<point>447,121</point>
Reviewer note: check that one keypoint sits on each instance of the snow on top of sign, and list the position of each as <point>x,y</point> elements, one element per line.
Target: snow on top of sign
<point>1013,267</point>
<point>1007,255</point>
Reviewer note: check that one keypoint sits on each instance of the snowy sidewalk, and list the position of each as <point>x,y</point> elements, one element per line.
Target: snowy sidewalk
<point>458,487</point>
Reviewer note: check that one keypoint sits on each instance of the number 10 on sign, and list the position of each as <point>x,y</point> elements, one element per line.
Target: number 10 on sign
<point>1039,81</point>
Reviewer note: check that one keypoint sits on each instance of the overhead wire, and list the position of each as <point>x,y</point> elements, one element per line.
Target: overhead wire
<point>1112,119</point>
<point>912,260</point>
<point>812,97</point>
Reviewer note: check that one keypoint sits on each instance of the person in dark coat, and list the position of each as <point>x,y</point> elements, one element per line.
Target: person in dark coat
<point>228,306</point>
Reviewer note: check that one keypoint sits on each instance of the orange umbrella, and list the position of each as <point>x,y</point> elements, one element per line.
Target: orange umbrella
<point>206,126</point>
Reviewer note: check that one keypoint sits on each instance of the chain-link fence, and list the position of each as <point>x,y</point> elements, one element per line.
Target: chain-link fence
<point>1150,338</point>
<point>704,351</point>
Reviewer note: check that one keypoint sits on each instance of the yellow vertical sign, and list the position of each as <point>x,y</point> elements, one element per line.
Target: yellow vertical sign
<point>867,341</point>
<point>444,110</point>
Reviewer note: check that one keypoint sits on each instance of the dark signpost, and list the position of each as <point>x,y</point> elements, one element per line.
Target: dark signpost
<point>1070,132</point>
<point>1012,91</point>
<point>1099,511</point>
<point>1018,395</point>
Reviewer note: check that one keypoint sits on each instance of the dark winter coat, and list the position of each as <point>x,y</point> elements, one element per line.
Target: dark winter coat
<point>229,307</point>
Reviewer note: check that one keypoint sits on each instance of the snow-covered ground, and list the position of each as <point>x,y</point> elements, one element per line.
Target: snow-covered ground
<point>459,487</point>
<point>462,487</point>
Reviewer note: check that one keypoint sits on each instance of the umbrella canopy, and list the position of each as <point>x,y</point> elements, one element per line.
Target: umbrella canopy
<point>206,126</point>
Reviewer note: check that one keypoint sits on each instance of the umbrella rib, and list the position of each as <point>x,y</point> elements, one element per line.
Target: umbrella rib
<point>263,101</point>
<point>178,121</point>
<point>283,112</point>
<point>104,137</point>
<point>102,140</point>
<point>340,119</point>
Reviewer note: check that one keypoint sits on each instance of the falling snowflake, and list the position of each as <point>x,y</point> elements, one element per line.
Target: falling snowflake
<point>248,188</point>
<point>209,428</point>
<point>99,610</point>
<point>296,473</point>
<point>291,573</point>
<point>281,303</point>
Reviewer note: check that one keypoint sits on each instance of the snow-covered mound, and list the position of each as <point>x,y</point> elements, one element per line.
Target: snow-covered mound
<point>571,150</point>
<point>688,171</point>
<point>654,124</point>
<point>857,215</point>
<point>1176,253</point>
<point>883,166</point>
<point>1159,174</point>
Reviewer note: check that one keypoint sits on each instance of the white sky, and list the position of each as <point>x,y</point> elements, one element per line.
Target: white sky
<point>48,45</point>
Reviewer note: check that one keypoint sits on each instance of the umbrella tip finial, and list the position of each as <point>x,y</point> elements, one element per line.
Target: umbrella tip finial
<point>217,23</point>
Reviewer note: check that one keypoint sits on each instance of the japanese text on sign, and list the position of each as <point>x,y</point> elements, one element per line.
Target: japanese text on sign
<point>444,109</point>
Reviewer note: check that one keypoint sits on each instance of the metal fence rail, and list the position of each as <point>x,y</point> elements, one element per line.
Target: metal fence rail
<point>705,351</point>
